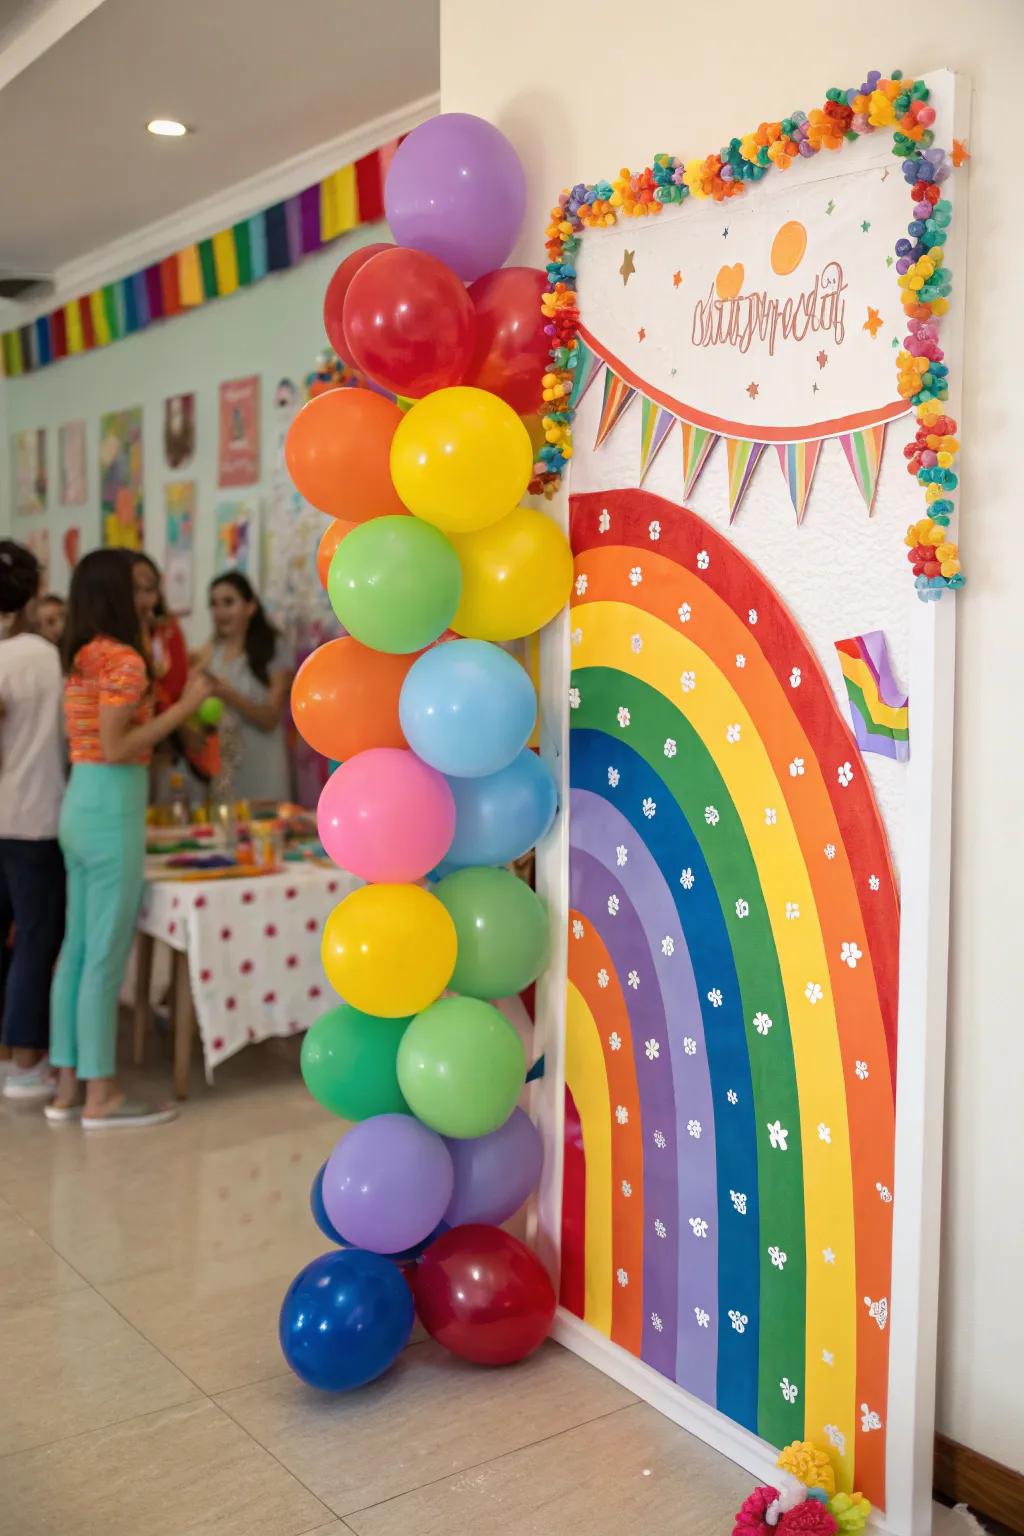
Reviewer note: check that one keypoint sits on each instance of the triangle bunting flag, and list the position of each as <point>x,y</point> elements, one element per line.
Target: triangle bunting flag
<point>864,455</point>
<point>617,396</point>
<point>587,364</point>
<point>742,459</point>
<point>655,425</point>
<point>697,444</point>
<point>798,462</point>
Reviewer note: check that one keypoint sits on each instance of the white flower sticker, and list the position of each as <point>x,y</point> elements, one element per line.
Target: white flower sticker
<point>741,660</point>
<point>636,644</point>
<point>828,1255</point>
<point>751,615</point>
<point>576,638</point>
<point>850,954</point>
<point>621,855</point>
<point>686,879</point>
<point>656,1322</point>
<point>762,1023</point>
<point>659,1140</point>
<point>627,1188</point>
<point>739,1201</point>
<point>577,928</point>
<point>633,980</point>
<point>698,1226</point>
<point>828,1357</point>
<point>861,1069</point>
<point>742,908</point>
<point>613,778</point>
<point>660,1229</point>
<point>622,716</point>
<point>622,1277</point>
<point>869,1419</point>
<point>613,905</point>
<point>884,1194</point>
<point>844,773</point>
<point>739,1321</point>
<point>703,560</point>
<point>685,613</point>
<point>824,1132</point>
<point>670,749</point>
<point>830,850</point>
<point>649,807</point>
<point>789,1390</point>
<point>574,698</point>
<point>694,1127</point>
<point>771,816</point>
<point>654,531</point>
<point>668,945</point>
<point>711,816</point>
<point>733,1096</point>
<point>778,1135</point>
<point>703,1318</point>
<point>653,1049</point>
<point>604,522</point>
<point>778,1256</point>
<point>795,678</point>
<point>732,733</point>
<point>813,992</point>
<point>715,997</point>
<point>615,1041</point>
<point>874,882</point>
<point>622,1114</point>
<point>796,767</point>
<point>688,681</point>
<point>835,1437</point>
<point>581,583</point>
<point>636,576</point>
<point>689,1045</point>
<point>602,977</point>
<point>792,910</point>
<point>878,1311</point>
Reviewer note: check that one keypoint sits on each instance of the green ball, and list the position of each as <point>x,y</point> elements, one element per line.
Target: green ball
<point>349,1063</point>
<point>395,583</point>
<point>210,711</point>
<point>461,1067</point>
<point>502,928</point>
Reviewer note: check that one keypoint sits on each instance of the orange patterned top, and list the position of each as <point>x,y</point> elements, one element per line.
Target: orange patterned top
<point>104,672</point>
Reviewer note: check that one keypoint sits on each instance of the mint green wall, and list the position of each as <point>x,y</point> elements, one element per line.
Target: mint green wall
<point>273,329</point>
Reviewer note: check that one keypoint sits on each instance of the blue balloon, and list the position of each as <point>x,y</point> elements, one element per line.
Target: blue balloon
<point>344,1319</point>
<point>467,708</point>
<point>330,1231</point>
<point>500,817</point>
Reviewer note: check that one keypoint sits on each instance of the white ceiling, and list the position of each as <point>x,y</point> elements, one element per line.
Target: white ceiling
<point>261,81</point>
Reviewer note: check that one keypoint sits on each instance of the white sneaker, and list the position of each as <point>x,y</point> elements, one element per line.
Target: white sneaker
<point>31,1085</point>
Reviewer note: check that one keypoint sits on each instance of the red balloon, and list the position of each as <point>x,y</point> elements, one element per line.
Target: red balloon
<point>484,1295</point>
<point>512,350</point>
<point>409,323</point>
<point>334,298</point>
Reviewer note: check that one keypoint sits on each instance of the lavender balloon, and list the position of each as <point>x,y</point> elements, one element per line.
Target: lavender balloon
<point>456,189</point>
<point>387,1183</point>
<point>495,1173</point>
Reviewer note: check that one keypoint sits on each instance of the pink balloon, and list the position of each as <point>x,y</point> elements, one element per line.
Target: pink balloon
<point>384,815</point>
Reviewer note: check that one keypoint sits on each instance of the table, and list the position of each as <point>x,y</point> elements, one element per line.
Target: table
<point>245,959</point>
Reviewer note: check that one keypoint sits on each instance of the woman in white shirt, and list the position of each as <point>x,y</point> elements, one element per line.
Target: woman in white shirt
<point>31,789</point>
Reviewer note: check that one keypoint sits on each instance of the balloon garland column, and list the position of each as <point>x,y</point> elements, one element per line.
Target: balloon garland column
<point>432,566</point>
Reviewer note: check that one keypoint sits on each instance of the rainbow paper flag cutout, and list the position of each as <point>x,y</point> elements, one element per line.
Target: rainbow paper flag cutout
<point>697,444</point>
<point>878,711</point>
<point>742,458</point>
<point>655,425</point>
<point>864,455</point>
<point>618,395</point>
<point>798,462</point>
<point>584,374</point>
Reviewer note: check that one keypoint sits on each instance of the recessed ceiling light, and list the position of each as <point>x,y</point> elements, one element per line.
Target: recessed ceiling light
<point>167,128</point>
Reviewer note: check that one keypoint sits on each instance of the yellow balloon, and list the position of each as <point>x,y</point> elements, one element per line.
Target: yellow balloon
<point>389,949</point>
<point>460,459</point>
<point>516,575</point>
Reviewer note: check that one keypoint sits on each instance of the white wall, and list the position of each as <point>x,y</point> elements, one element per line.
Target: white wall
<point>599,85</point>
<point>273,329</point>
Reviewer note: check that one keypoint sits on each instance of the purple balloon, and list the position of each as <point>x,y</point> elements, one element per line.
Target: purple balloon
<point>495,1173</point>
<point>387,1183</point>
<point>456,189</point>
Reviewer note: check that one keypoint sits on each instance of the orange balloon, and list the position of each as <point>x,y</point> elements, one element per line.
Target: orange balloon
<point>332,536</point>
<point>345,699</point>
<point>337,453</point>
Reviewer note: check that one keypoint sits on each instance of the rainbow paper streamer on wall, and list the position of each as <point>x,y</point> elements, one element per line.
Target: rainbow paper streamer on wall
<point>655,425</point>
<point>798,462</point>
<point>617,396</point>
<point>864,455</point>
<point>878,710</point>
<point>742,458</point>
<point>697,444</point>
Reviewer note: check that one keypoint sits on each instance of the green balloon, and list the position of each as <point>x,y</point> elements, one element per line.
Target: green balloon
<point>461,1067</point>
<point>395,583</point>
<point>210,711</point>
<point>348,1063</point>
<point>502,928</point>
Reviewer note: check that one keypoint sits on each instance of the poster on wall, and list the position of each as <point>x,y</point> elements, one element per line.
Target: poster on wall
<point>743,787</point>
<point>121,478</point>
<point>238,453</point>
<point>235,524</point>
<point>179,431</point>
<point>28,451</point>
<point>71,456</point>
<point>179,534</point>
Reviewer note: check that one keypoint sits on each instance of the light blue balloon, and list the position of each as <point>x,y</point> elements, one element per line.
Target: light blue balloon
<point>499,818</point>
<point>467,708</point>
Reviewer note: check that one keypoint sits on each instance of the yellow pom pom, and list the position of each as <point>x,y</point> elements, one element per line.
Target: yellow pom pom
<point>808,1465</point>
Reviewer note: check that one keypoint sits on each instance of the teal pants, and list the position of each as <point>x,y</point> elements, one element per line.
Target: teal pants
<point>103,839</point>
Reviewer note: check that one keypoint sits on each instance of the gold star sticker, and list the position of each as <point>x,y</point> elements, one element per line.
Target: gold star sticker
<point>873,323</point>
<point>627,269</point>
<point>677,278</point>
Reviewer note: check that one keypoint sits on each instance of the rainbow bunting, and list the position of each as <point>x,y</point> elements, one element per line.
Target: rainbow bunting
<point>697,444</point>
<point>798,462</point>
<point>742,456</point>
<point>878,710</point>
<point>864,455</point>
<point>584,373</point>
<point>655,425</point>
<point>617,397</point>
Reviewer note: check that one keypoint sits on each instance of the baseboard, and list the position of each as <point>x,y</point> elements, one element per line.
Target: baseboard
<point>968,1477</point>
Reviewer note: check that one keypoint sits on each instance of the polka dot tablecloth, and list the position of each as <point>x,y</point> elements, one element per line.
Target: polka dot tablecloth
<point>253,951</point>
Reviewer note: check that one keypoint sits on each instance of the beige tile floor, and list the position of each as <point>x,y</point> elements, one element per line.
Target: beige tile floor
<point>142,1392</point>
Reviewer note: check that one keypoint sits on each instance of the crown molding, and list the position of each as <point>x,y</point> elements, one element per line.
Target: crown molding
<point>28,40</point>
<point>204,218</point>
